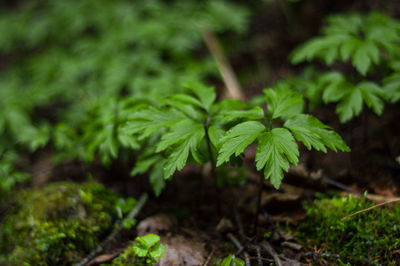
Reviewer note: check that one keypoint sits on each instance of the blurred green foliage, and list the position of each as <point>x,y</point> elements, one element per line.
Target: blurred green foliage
<point>57,224</point>
<point>72,70</point>
<point>371,237</point>
<point>369,43</point>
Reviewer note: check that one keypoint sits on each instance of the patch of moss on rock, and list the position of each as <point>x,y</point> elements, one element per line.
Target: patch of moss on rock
<point>57,224</point>
<point>371,237</point>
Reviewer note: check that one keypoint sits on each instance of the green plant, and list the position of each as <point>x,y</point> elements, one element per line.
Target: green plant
<point>195,128</point>
<point>57,224</point>
<point>144,252</point>
<point>71,89</point>
<point>371,43</point>
<point>231,260</point>
<point>371,237</point>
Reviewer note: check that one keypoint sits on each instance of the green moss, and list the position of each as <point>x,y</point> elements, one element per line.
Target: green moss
<point>371,237</point>
<point>57,224</point>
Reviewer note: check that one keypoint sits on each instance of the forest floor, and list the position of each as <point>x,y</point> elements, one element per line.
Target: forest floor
<point>198,221</point>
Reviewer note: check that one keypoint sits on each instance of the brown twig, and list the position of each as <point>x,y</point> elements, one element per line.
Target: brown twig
<point>224,67</point>
<point>370,208</point>
<point>271,252</point>
<point>132,214</point>
<point>240,248</point>
<point>209,257</point>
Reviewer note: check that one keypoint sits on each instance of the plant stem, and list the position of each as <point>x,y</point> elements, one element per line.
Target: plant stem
<point>213,168</point>
<point>260,188</point>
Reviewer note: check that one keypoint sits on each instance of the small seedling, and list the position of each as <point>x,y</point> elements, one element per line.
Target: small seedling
<point>144,252</point>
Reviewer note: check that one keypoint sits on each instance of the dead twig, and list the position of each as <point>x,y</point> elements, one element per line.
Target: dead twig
<point>209,257</point>
<point>271,252</point>
<point>370,208</point>
<point>132,214</point>
<point>224,67</point>
<point>240,248</point>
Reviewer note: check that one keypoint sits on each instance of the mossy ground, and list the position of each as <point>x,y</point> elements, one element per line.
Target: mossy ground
<point>371,237</point>
<point>57,224</point>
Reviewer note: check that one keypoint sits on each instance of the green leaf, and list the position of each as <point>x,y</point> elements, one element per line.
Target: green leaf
<point>350,105</point>
<point>148,121</point>
<point>392,87</point>
<point>348,47</point>
<point>156,177</point>
<point>275,150</point>
<point>144,163</point>
<point>140,251</point>
<point>206,94</point>
<point>252,114</point>
<point>283,102</point>
<point>157,251</point>
<point>364,55</point>
<point>373,96</point>
<point>231,260</point>
<point>189,135</point>
<point>237,139</point>
<point>314,134</point>
<point>148,240</point>
<point>183,130</point>
<point>215,133</point>
<point>332,83</point>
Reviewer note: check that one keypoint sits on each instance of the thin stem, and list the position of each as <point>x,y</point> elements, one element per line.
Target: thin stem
<point>260,188</point>
<point>213,165</point>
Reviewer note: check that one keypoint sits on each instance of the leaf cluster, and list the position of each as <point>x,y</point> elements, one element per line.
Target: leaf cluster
<point>196,128</point>
<point>72,88</point>
<point>370,43</point>
<point>144,252</point>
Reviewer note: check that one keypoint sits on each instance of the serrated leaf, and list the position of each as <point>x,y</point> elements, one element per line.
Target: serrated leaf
<point>148,121</point>
<point>144,163</point>
<point>333,86</point>
<point>275,151</point>
<point>128,141</point>
<point>206,94</point>
<point>314,134</point>
<point>215,134</point>
<point>348,47</point>
<point>252,114</point>
<point>326,47</point>
<point>187,99</point>
<point>148,240</point>
<point>392,88</point>
<point>350,105</point>
<point>139,251</point>
<point>156,178</point>
<point>364,55</point>
<point>237,139</point>
<point>373,96</point>
<point>177,159</point>
<point>181,131</point>
<point>157,251</point>
<point>283,102</point>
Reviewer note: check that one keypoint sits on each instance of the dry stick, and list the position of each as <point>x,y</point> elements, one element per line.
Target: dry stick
<point>258,251</point>
<point>272,252</point>
<point>370,208</point>
<point>224,67</point>
<point>240,248</point>
<point>132,214</point>
<point>209,258</point>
